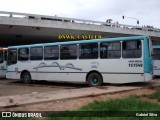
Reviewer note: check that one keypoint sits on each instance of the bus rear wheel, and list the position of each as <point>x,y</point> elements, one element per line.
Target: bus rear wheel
<point>26,78</point>
<point>94,79</point>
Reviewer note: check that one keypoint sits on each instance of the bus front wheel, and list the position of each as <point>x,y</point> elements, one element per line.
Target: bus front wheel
<point>26,77</point>
<point>94,79</point>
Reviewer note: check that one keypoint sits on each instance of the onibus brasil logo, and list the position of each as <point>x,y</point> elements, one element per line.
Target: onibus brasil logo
<point>21,114</point>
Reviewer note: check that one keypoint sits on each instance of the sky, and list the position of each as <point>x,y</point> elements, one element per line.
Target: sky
<point>146,11</point>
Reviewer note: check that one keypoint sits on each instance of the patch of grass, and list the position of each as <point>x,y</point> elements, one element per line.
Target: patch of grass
<point>155,95</point>
<point>131,103</point>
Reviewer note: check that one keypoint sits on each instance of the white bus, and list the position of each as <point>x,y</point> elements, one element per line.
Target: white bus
<point>156,60</point>
<point>109,60</point>
<point>3,58</point>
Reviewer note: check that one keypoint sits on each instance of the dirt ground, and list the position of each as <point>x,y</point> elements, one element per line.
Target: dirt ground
<point>65,104</point>
<point>73,104</point>
<point>16,87</point>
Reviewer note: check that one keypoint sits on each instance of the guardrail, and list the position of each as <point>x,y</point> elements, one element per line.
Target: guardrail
<point>74,20</point>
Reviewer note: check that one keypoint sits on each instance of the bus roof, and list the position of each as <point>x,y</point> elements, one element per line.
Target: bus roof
<point>81,41</point>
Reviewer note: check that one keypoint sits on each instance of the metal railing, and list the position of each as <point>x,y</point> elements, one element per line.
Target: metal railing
<point>74,20</point>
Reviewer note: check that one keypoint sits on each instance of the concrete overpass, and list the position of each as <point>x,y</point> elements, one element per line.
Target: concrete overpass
<point>22,28</point>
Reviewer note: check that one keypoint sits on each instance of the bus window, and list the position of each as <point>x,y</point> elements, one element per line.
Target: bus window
<point>23,54</point>
<point>1,56</point>
<point>51,53</point>
<point>5,55</point>
<point>12,56</point>
<point>110,50</point>
<point>68,52</point>
<point>132,49</point>
<point>88,51</point>
<point>156,54</point>
<point>36,53</point>
<point>155,42</point>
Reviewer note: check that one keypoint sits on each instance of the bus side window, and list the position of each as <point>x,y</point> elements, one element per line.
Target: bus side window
<point>156,55</point>
<point>1,56</point>
<point>110,50</point>
<point>68,52</point>
<point>88,51</point>
<point>12,56</point>
<point>23,54</point>
<point>36,53</point>
<point>5,55</point>
<point>51,53</point>
<point>155,42</point>
<point>132,49</point>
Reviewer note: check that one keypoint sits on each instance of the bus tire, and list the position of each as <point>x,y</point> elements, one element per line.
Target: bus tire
<point>26,77</point>
<point>94,79</point>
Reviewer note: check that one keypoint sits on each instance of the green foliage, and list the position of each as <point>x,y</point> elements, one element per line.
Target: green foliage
<point>131,103</point>
<point>155,95</point>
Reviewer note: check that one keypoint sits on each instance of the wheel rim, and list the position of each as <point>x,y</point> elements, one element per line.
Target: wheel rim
<point>94,81</point>
<point>26,78</point>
